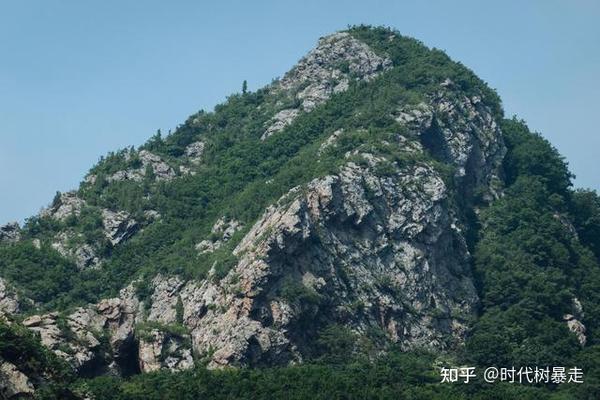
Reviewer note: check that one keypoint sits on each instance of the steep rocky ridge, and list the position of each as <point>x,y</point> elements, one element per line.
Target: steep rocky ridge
<point>329,68</point>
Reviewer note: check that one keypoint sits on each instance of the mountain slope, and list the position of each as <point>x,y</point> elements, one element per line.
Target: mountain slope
<point>375,192</point>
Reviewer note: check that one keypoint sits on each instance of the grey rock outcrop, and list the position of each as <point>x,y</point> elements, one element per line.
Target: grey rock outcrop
<point>330,141</point>
<point>327,69</point>
<point>65,338</point>
<point>164,299</point>
<point>9,301</point>
<point>119,316</point>
<point>13,383</point>
<point>194,152</point>
<point>65,205</point>
<point>77,337</point>
<point>462,131</point>
<point>162,170</point>
<point>221,232</point>
<point>10,233</point>
<point>280,120</point>
<point>163,350</point>
<point>574,323</point>
<point>370,251</point>
<point>82,253</point>
<point>118,226</point>
<point>377,245</point>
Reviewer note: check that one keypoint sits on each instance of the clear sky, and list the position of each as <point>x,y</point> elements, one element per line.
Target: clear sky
<point>79,78</point>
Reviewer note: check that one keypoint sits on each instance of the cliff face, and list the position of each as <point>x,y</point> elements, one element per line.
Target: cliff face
<point>378,245</point>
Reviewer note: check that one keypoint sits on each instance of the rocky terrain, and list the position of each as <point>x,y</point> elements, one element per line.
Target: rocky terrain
<point>380,244</point>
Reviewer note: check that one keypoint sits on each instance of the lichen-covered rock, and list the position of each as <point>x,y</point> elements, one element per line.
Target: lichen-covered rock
<point>416,118</point>
<point>577,327</point>
<point>330,141</point>
<point>161,169</point>
<point>474,140</point>
<point>328,68</point>
<point>10,233</point>
<point>119,316</point>
<point>377,245</point>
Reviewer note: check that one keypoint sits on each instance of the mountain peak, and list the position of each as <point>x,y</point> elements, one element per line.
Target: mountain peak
<point>346,195</point>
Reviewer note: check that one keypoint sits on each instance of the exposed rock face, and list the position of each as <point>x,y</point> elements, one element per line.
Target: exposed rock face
<point>221,232</point>
<point>331,141</point>
<point>462,131</point>
<point>280,120</point>
<point>576,327</point>
<point>83,254</point>
<point>371,252</point>
<point>13,383</point>
<point>10,233</point>
<point>161,350</point>
<point>194,151</point>
<point>327,69</point>
<point>9,302</point>
<point>77,337</point>
<point>68,338</point>
<point>574,323</point>
<point>118,226</point>
<point>164,299</point>
<point>161,170</point>
<point>65,205</point>
<point>118,316</point>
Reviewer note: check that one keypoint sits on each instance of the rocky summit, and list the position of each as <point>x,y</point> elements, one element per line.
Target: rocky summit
<point>372,190</point>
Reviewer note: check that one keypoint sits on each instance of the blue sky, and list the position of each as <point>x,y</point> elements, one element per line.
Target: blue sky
<point>79,78</point>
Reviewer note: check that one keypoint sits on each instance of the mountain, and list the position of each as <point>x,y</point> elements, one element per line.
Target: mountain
<point>372,210</point>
